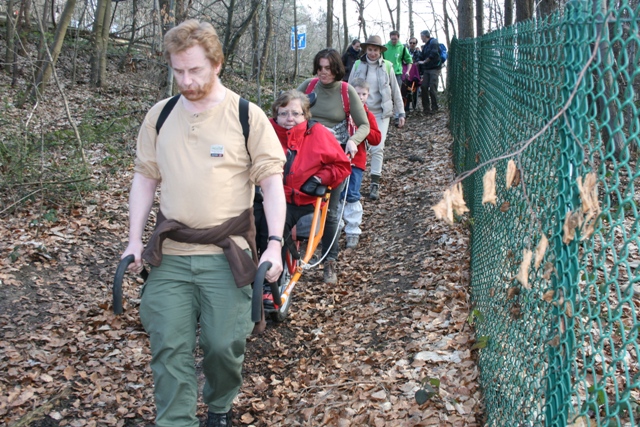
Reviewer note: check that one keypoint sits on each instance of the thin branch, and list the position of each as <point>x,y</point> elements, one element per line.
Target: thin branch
<point>22,199</point>
<point>71,181</point>
<point>526,144</point>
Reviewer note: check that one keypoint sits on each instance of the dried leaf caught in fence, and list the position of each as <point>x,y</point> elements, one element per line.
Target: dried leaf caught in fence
<point>457,200</point>
<point>489,187</point>
<point>590,205</point>
<point>511,172</point>
<point>571,221</point>
<point>543,244</point>
<point>589,192</point>
<point>444,208</point>
<point>523,274</point>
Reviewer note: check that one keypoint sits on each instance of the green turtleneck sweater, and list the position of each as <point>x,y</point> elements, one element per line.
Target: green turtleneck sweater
<point>328,109</point>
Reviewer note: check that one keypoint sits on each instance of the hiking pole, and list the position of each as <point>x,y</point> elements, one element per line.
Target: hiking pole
<point>117,281</point>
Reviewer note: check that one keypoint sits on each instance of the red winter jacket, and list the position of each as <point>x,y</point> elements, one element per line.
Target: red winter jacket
<point>311,150</point>
<point>374,138</point>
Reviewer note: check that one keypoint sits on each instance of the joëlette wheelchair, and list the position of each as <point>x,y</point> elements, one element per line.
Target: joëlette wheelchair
<point>294,263</point>
<point>297,253</point>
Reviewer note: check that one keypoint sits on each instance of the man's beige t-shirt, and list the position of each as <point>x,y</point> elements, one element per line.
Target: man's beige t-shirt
<point>207,172</point>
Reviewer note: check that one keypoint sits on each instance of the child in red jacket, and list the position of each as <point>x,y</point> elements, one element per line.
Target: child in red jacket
<point>352,215</point>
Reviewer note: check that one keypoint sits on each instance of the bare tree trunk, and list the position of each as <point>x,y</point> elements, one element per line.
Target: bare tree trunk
<point>132,38</point>
<point>329,24</point>
<point>362,23</point>
<point>411,26</point>
<point>229,48</point>
<point>446,21</point>
<point>465,18</point>
<point>393,22</point>
<point>98,48</point>
<point>345,28</point>
<point>479,18</point>
<point>181,11</point>
<point>42,54</point>
<point>46,13</point>
<point>547,7</point>
<point>295,42</point>
<point>398,26</point>
<point>267,39</point>
<point>56,47</point>
<point>24,16</point>
<point>11,33</point>
<point>255,38</point>
<point>75,44</point>
<point>614,143</point>
<point>508,13</point>
<point>106,29</point>
<point>524,10</point>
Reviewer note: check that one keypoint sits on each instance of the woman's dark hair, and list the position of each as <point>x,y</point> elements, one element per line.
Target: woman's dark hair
<point>335,62</point>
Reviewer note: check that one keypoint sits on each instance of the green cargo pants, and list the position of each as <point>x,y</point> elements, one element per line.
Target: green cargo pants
<point>181,292</point>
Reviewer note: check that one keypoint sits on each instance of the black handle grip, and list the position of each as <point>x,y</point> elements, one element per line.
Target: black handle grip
<point>256,297</point>
<point>117,281</point>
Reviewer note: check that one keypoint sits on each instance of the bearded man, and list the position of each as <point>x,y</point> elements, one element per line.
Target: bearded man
<point>201,250</point>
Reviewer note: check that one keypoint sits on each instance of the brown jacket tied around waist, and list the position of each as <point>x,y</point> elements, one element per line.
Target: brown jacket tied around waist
<point>243,266</point>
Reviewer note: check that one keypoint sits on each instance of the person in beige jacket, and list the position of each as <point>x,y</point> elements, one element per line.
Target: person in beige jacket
<point>385,100</point>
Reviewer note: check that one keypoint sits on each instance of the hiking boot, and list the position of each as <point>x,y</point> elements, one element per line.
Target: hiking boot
<point>352,240</point>
<point>330,276</point>
<point>374,193</point>
<point>219,420</point>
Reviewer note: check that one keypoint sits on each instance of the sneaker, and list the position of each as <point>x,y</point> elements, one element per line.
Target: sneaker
<point>219,420</point>
<point>374,193</point>
<point>330,276</point>
<point>352,241</point>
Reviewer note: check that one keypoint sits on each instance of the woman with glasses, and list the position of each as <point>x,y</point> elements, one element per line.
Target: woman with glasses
<point>314,157</point>
<point>329,110</point>
<point>411,83</point>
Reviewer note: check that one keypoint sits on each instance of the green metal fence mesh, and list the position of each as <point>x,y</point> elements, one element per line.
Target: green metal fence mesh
<point>560,97</point>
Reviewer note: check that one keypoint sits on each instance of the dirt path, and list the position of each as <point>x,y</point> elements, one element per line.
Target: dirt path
<point>349,355</point>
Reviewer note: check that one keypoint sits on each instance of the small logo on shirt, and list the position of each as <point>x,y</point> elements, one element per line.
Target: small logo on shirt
<point>216,151</point>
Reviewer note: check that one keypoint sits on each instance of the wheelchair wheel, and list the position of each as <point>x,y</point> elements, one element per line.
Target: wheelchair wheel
<point>289,268</point>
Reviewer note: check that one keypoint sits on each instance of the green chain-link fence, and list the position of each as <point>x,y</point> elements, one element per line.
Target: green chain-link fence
<point>561,97</point>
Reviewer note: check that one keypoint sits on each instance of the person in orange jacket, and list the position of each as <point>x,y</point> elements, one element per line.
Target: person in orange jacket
<point>352,215</point>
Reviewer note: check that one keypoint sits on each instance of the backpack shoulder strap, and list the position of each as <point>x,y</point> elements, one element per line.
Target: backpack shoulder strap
<point>243,113</point>
<point>388,65</point>
<point>312,85</point>
<point>356,65</point>
<point>345,98</point>
<point>166,110</point>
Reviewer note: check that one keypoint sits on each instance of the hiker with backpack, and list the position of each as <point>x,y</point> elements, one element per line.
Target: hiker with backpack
<point>202,251</point>
<point>385,100</point>
<point>338,108</point>
<point>431,67</point>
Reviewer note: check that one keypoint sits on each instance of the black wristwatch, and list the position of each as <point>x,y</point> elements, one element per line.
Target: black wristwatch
<point>278,238</point>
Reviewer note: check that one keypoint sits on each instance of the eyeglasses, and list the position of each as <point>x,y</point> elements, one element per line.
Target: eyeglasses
<point>285,114</point>
<point>413,42</point>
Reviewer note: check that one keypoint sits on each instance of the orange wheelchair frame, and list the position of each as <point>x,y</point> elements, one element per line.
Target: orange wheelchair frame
<point>294,267</point>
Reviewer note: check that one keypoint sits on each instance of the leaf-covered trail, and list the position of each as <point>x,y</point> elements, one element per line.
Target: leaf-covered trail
<point>349,355</point>
<point>355,354</point>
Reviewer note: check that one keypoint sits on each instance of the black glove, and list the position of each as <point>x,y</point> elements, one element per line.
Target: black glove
<point>310,187</point>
